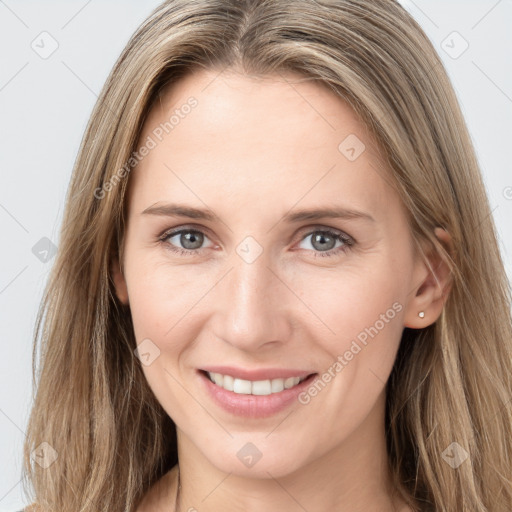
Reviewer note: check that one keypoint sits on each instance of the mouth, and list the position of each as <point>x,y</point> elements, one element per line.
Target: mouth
<point>248,398</point>
<point>263,387</point>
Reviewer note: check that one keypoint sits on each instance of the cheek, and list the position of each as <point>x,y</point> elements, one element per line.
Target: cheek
<point>361,315</point>
<point>366,312</point>
<point>350,302</point>
<point>162,299</point>
<point>164,318</point>
<point>334,306</point>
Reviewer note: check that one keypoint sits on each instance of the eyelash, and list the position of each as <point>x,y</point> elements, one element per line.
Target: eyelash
<point>338,236</point>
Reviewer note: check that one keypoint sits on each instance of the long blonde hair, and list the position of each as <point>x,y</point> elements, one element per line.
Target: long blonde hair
<point>451,382</point>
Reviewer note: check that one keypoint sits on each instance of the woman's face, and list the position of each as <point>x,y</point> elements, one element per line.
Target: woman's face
<point>254,290</point>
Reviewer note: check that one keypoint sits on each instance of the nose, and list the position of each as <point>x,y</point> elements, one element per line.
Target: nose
<point>252,306</point>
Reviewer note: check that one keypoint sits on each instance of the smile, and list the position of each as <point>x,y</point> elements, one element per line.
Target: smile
<point>254,387</point>
<point>254,393</point>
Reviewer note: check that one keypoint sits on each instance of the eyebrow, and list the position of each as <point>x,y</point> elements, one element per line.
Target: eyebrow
<point>176,210</point>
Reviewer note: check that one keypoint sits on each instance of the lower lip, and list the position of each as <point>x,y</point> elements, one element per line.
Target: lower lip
<point>253,406</point>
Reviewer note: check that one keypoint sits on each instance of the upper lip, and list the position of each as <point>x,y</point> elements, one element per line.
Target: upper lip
<point>257,374</point>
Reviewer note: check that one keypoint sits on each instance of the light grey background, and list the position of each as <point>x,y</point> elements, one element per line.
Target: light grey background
<point>46,101</point>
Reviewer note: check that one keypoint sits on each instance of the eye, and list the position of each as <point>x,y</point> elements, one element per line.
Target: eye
<point>190,239</point>
<point>324,241</point>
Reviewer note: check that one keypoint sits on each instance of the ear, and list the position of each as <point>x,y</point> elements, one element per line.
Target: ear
<point>119,281</point>
<point>434,284</point>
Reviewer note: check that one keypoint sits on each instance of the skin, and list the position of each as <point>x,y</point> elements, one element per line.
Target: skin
<point>251,151</point>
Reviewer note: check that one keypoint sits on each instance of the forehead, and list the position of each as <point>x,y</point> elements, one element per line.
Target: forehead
<point>275,138</point>
<point>246,105</point>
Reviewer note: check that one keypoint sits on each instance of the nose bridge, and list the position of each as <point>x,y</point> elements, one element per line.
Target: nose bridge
<point>248,298</point>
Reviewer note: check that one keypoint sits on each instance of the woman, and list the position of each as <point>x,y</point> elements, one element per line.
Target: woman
<point>278,285</point>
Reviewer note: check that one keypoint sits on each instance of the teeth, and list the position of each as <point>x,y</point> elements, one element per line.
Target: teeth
<point>290,382</point>
<point>218,379</point>
<point>276,385</point>
<point>229,382</point>
<point>242,386</point>
<point>256,387</point>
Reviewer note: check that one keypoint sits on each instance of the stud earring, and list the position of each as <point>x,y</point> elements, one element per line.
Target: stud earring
<point>421,314</point>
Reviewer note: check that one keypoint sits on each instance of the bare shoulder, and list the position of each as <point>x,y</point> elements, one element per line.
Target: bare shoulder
<point>161,496</point>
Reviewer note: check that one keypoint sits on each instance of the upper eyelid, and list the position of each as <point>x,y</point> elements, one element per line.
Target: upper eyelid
<point>176,231</point>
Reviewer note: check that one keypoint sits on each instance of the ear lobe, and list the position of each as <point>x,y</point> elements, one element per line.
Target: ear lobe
<point>119,282</point>
<point>433,291</point>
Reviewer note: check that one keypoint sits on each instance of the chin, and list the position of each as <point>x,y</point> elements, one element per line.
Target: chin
<point>258,458</point>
